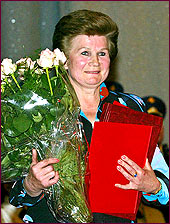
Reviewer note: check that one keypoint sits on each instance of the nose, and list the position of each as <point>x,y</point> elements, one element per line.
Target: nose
<point>94,60</point>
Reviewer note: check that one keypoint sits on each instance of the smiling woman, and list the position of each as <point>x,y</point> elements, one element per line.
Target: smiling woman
<point>89,42</point>
<point>88,66</point>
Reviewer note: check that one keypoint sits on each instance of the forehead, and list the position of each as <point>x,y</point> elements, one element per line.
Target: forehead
<point>85,41</point>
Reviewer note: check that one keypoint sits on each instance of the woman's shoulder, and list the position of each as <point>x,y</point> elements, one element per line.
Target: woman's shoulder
<point>130,100</point>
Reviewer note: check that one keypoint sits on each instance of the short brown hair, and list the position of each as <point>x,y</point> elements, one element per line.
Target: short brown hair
<point>85,22</point>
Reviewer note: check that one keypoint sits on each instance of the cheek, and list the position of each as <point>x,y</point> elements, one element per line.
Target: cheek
<point>106,63</point>
<point>81,63</point>
<point>77,65</point>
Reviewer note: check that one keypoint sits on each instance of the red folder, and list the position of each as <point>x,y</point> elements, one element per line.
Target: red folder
<point>121,114</point>
<point>124,131</point>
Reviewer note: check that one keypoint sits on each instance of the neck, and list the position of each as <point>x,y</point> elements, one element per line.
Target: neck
<point>89,106</point>
<point>89,100</point>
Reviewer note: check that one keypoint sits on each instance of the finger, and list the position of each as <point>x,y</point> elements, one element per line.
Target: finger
<point>49,176</point>
<point>46,162</point>
<point>124,173</point>
<point>130,169</point>
<point>55,179</point>
<point>48,179</point>
<point>34,157</point>
<point>46,170</point>
<point>131,162</point>
<point>126,186</point>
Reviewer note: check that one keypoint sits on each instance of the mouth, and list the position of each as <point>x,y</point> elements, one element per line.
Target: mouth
<point>92,72</point>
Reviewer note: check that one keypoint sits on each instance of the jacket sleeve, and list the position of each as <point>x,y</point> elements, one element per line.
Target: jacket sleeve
<point>161,170</point>
<point>19,197</point>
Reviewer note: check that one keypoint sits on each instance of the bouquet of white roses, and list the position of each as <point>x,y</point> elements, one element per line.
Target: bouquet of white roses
<point>40,109</point>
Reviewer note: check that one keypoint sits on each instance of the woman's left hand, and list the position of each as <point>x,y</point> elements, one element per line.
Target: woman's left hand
<point>139,179</point>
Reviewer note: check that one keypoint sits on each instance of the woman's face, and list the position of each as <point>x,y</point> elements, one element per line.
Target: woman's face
<point>89,61</point>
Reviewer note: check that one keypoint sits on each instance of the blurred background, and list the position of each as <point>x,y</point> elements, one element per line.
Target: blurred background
<point>142,64</point>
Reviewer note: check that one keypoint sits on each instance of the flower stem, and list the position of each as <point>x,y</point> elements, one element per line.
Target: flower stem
<point>49,82</point>
<point>15,81</point>
<point>56,68</point>
<point>10,85</point>
<point>33,70</point>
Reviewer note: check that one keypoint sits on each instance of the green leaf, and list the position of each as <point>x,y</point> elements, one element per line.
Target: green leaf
<point>53,111</point>
<point>14,155</point>
<point>37,118</point>
<point>5,161</point>
<point>22,122</point>
<point>8,128</point>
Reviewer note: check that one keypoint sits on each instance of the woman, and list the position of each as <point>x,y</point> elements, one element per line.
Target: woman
<point>89,41</point>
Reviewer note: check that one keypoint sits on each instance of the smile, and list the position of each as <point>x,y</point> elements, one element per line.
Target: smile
<point>92,72</point>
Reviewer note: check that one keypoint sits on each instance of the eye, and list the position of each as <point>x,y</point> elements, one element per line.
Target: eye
<point>86,53</point>
<point>102,53</point>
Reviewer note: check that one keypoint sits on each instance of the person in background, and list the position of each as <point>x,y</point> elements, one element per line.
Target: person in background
<point>89,42</point>
<point>157,107</point>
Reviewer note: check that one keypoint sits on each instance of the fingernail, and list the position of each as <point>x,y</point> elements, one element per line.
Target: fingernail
<point>123,157</point>
<point>118,167</point>
<point>119,161</point>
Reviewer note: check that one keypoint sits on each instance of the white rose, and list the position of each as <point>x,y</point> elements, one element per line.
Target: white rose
<point>46,58</point>
<point>2,76</point>
<point>30,63</point>
<point>21,61</point>
<point>27,62</point>
<point>7,67</point>
<point>21,64</point>
<point>59,57</point>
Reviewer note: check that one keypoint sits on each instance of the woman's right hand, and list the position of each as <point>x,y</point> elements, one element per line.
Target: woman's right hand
<point>41,175</point>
